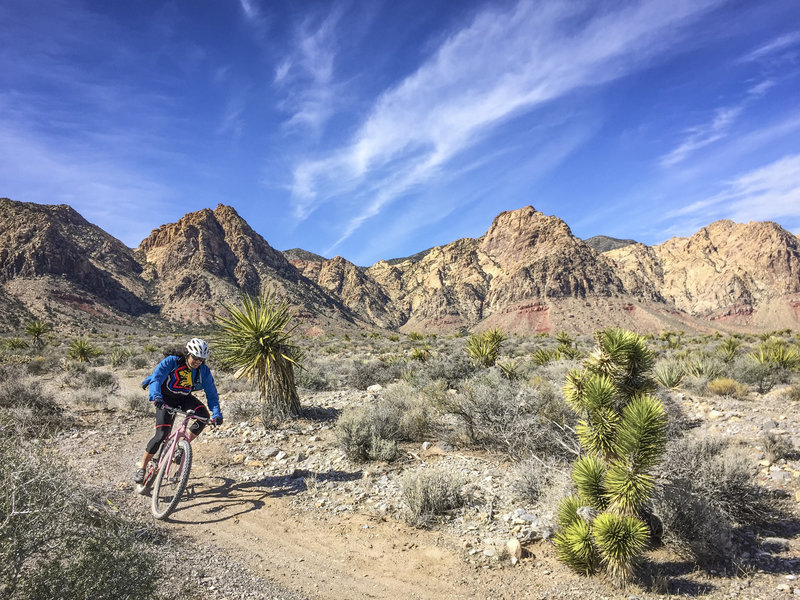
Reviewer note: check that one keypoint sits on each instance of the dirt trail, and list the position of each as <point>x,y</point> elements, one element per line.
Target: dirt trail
<point>314,553</point>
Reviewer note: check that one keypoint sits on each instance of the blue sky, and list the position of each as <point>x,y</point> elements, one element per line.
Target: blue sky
<point>375,129</point>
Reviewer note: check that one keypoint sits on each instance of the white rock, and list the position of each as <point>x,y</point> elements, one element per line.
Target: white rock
<point>374,389</point>
<point>514,549</point>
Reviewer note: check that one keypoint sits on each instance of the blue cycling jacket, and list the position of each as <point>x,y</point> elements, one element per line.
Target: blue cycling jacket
<point>181,380</point>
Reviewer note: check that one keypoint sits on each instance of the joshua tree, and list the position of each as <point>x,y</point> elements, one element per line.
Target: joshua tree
<point>622,433</point>
<point>257,341</point>
<point>484,348</point>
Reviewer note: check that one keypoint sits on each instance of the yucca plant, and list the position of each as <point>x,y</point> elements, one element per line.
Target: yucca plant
<point>544,356</point>
<point>37,330</point>
<point>257,339</point>
<point>484,348</point>
<point>669,373</point>
<point>82,350</point>
<point>622,431</point>
<point>729,347</point>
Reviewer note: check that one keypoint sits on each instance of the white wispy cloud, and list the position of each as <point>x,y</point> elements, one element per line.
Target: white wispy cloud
<point>250,9</point>
<point>775,47</point>
<point>767,193</point>
<point>501,65</point>
<point>718,128</point>
<point>703,135</point>
<point>307,73</point>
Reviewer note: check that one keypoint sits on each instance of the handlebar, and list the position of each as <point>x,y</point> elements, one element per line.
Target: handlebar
<point>189,414</point>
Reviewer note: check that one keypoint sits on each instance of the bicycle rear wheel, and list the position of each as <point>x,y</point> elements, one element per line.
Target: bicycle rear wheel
<point>170,482</point>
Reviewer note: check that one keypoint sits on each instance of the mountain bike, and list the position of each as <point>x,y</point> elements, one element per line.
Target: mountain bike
<point>168,470</point>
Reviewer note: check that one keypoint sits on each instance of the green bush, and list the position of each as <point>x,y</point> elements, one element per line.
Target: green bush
<point>777,447</point>
<point>429,493</point>
<point>59,541</point>
<point>727,387</point>
<point>762,375</point>
<point>363,435</point>
<point>102,380</point>
<point>510,416</point>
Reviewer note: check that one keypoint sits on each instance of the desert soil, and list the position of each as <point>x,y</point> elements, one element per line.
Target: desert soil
<point>283,514</point>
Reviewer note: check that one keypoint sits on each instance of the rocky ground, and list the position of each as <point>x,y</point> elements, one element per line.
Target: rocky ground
<point>283,513</point>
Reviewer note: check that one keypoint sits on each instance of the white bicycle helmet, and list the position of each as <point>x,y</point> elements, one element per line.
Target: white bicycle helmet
<point>197,347</point>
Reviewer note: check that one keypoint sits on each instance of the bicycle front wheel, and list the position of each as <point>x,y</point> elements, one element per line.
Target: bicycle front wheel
<point>170,482</point>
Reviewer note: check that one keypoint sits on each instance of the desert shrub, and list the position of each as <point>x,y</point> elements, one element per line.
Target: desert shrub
<point>361,375</point>
<point>363,435</point>
<point>102,380</point>
<point>39,365</point>
<point>793,393</point>
<point>450,368</point>
<point>726,387</point>
<point>706,489</point>
<point>762,375</point>
<point>512,417</point>
<point>27,408</point>
<point>416,336</point>
<point>719,472</point>
<point>691,525</point>
<point>311,377</point>
<point>140,362</point>
<point>776,446</point>
<point>669,373</point>
<point>137,404</point>
<point>535,479</point>
<point>242,408</point>
<point>429,493</point>
<point>59,541</point>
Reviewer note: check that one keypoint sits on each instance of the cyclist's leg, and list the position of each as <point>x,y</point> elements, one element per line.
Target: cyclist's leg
<point>192,403</point>
<point>163,427</point>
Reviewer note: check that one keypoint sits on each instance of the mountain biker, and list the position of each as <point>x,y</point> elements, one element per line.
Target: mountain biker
<point>171,386</point>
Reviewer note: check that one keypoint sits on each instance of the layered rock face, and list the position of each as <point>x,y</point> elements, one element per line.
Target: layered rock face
<point>726,271</point>
<point>53,255</point>
<point>208,258</point>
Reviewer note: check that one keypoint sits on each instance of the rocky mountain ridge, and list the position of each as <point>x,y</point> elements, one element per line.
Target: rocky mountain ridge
<point>528,273</point>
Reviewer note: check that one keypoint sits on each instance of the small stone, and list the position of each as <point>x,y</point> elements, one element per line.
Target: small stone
<point>270,452</point>
<point>374,389</point>
<point>783,587</point>
<point>514,550</point>
<point>714,414</point>
<point>280,455</point>
<point>255,463</point>
<point>238,459</point>
<point>782,543</point>
<point>426,445</point>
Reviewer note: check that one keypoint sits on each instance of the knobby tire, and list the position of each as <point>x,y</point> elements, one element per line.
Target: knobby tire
<point>170,482</point>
